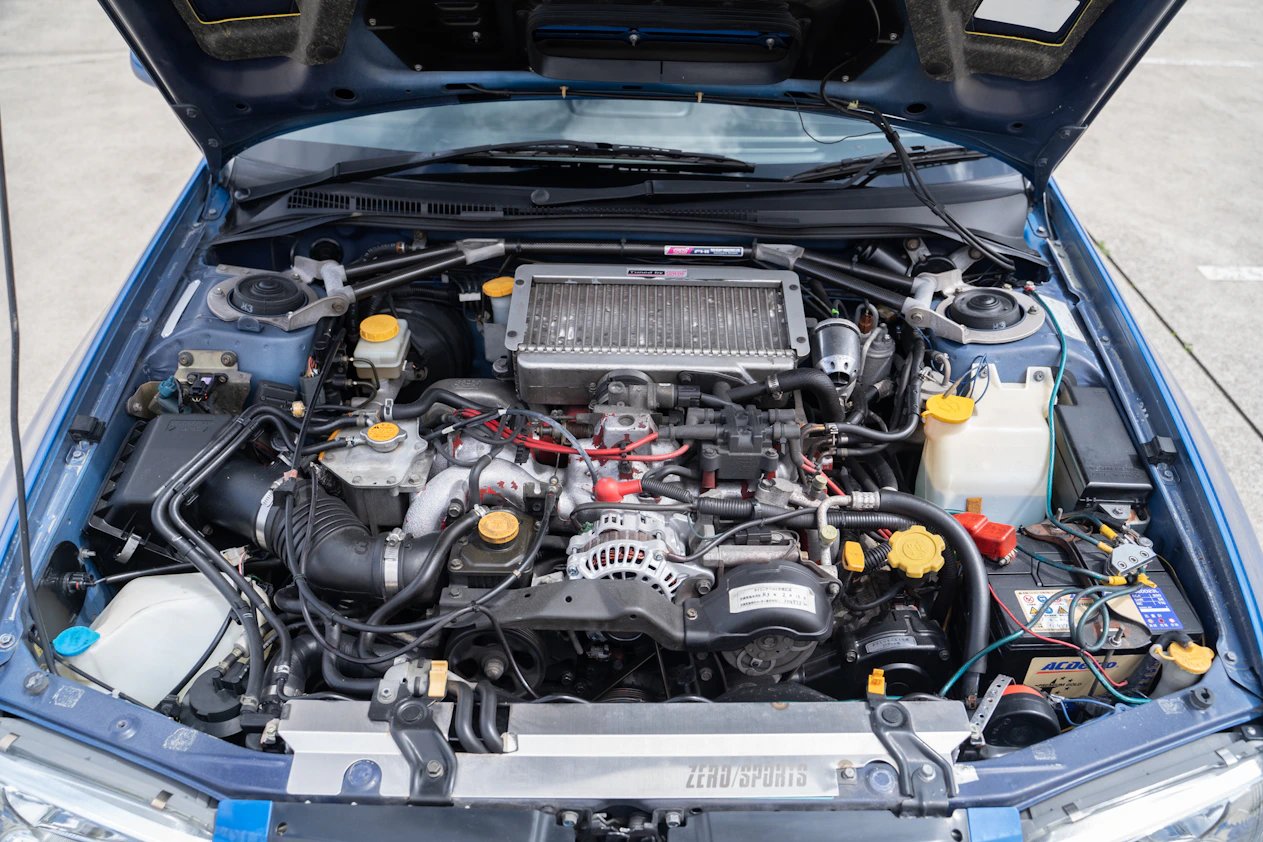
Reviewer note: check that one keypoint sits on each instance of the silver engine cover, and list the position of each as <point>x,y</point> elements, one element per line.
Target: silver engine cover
<point>569,325</point>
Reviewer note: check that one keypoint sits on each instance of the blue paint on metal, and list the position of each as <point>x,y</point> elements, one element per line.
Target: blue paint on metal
<point>994,824</point>
<point>243,821</point>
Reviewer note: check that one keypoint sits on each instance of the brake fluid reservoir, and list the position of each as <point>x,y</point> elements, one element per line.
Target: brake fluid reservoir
<point>151,635</point>
<point>383,346</point>
<point>996,454</point>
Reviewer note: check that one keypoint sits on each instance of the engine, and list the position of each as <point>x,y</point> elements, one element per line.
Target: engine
<point>588,482</point>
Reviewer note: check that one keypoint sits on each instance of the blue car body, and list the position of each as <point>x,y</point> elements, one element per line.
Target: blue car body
<point>1194,504</point>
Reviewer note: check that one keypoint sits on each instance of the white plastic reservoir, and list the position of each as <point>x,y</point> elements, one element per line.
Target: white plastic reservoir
<point>998,455</point>
<point>150,635</point>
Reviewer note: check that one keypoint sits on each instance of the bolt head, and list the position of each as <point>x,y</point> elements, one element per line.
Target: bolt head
<point>927,772</point>
<point>7,641</point>
<point>435,769</point>
<point>35,682</point>
<point>569,818</point>
<point>673,818</point>
<point>690,614</point>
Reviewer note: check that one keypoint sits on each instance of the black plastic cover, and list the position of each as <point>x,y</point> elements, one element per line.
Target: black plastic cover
<point>1096,460</point>
<point>754,600</point>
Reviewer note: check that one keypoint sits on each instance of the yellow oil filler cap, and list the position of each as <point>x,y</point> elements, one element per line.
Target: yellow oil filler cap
<point>498,527</point>
<point>379,328</point>
<point>916,551</point>
<point>950,409</point>
<point>498,287</point>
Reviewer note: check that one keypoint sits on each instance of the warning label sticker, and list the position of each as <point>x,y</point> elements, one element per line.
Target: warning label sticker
<point>1069,675</point>
<point>1055,619</point>
<point>771,595</point>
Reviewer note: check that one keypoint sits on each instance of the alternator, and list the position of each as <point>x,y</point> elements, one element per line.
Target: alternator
<point>633,545</point>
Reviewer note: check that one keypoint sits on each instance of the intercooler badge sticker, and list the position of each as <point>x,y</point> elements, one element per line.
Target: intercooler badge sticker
<point>658,273</point>
<point>771,595</point>
<point>704,251</point>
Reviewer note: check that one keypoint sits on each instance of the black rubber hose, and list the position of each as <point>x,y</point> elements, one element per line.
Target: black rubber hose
<point>473,493</point>
<point>656,487</point>
<point>431,398</point>
<point>884,474</point>
<point>975,572</point>
<point>810,381</point>
<point>487,724</point>
<point>948,585</point>
<point>334,677</point>
<point>727,508</point>
<point>856,286</point>
<point>463,719</point>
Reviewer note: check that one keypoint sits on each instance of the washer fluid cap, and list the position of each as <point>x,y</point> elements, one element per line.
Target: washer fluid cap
<point>75,641</point>
<point>1189,657</point>
<point>950,409</point>
<point>916,551</point>
<point>498,527</point>
<point>379,328</point>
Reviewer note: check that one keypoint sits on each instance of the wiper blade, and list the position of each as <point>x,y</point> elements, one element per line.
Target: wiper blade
<point>529,153</point>
<point>858,171</point>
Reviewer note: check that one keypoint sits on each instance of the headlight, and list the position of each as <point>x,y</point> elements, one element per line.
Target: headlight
<point>41,802</point>
<point>1222,801</point>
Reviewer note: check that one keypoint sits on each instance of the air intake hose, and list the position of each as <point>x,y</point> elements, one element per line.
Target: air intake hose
<point>811,381</point>
<point>343,555</point>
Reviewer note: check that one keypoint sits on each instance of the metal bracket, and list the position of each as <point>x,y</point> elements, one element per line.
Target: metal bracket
<point>1127,556</point>
<point>986,707</point>
<point>425,747</point>
<point>926,778</point>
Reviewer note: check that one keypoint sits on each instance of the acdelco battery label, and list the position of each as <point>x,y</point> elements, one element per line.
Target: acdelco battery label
<point>1155,612</point>
<point>1068,675</point>
<point>704,251</point>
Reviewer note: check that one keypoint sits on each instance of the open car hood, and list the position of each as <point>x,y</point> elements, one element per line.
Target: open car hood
<point>1015,78</point>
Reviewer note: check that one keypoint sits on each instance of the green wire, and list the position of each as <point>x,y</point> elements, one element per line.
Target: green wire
<point>1091,665</point>
<point>1052,421</point>
<point>1066,567</point>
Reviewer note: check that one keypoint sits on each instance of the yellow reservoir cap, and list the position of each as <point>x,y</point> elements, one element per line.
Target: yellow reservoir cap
<point>877,682</point>
<point>498,527</point>
<point>382,432</point>
<point>950,409</point>
<point>498,287</point>
<point>1189,657</point>
<point>916,551</point>
<point>379,328</point>
<point>853,557</point>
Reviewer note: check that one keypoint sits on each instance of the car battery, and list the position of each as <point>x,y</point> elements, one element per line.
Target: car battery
<point>1136,622</point>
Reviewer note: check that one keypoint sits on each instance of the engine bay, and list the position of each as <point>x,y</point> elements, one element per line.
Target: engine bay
<point>464,483</point>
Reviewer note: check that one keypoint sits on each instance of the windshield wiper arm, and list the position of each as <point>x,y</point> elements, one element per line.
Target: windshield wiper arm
<point>858,171</point>
<point>528,153</point>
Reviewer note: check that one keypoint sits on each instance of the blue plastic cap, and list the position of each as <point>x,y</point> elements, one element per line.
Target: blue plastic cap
<point>75,641</point>
<point>167,388</point>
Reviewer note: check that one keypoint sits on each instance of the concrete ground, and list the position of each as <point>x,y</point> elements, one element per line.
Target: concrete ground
<point>1166,180</point>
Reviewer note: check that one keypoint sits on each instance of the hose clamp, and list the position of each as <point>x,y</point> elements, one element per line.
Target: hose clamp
<point>266,504</point>
<point>390,561</point>
<point>388,409</point>
<point>865,501</point>
<point>774,387</point>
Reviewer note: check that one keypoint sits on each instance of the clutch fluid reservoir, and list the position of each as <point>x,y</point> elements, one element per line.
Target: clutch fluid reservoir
<point>993,450</point>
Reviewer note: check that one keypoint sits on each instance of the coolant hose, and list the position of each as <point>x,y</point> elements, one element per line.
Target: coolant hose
<point>811,381</point>
<point>975,572</point>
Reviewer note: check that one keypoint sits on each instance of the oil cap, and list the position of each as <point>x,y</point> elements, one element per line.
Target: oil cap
<point>498,527</point>
<point>379,328</point>
<point>916,551</point>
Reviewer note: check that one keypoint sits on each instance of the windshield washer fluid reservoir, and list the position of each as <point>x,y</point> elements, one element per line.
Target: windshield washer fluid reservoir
<point>997,454</point>
<point>150,636</point>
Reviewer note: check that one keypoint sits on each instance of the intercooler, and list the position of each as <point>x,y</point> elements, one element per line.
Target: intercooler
<point>571,324</point>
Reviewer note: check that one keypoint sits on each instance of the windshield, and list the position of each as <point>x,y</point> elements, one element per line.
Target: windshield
<point>760,136</point>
